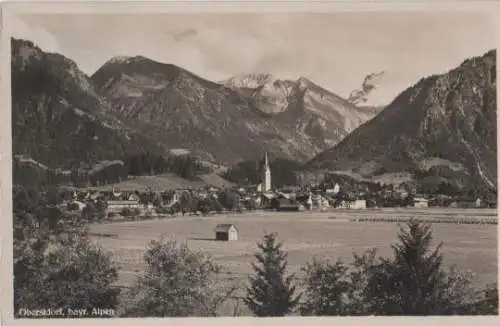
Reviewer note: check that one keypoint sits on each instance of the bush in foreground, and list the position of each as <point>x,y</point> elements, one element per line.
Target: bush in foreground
<point>177,282</point>
<point>55,264</point>
<point>412,282</point>
<point>326,288</point>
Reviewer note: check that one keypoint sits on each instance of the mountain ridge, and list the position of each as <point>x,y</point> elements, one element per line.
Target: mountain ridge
<point>303,106</point>
<point>180,108</point>
<point>169,102</point>
<point>451,116</point>
<point>58,117</point>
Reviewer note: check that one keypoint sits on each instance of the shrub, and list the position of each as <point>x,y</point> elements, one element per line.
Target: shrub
<point>188,203</point>
<point>130,212</point>
<point>55,265</point>
<point>204,206</point>
<point>326,285</point>
<point>126,212</point>
<point>177,282</point>
<point>230,200</point>
<point>489,305</point>
<point>73,207</point>
<point>93,212</point>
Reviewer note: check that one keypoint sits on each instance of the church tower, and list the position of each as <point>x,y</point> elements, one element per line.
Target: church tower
<point>266,175</point>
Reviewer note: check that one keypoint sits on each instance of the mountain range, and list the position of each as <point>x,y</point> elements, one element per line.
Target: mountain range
<point>442,128</point>
<point>132,104</point>
<point>303,107</point>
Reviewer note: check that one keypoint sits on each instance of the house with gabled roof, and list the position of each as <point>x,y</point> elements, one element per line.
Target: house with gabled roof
<point>226,232</point>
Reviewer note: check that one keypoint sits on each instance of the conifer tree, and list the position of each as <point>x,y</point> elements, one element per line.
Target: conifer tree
<point>271,293</point>
<point>414,281</point>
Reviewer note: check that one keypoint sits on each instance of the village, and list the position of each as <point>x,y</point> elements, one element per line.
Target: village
<point>122,203</point>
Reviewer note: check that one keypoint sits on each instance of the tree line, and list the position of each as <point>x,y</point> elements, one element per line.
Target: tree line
<point>249,172</point>
<point>185,166</point>
<point>56,265</point>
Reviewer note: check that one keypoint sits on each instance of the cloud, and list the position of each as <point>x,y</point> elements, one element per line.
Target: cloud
<point>185,34</point>
<point>334,50</point>
<point>370,82</point>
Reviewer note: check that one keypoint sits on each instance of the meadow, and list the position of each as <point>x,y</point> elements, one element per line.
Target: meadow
<point>324,235</point>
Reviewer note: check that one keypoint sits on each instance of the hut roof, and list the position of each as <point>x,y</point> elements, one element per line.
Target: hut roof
<point>224,227</point>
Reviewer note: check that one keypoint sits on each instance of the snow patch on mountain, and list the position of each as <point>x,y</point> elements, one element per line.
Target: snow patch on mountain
<point>124,59</point>
<point>248,80</point>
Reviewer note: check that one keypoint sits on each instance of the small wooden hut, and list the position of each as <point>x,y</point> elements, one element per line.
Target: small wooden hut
<point>226,232</point>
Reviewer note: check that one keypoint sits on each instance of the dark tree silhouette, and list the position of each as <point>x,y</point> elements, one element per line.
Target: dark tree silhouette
<point>55,264</point>
<point>414,281</point>
<point>271,292</point>
<point>326,285</point>
<point>177,282</point>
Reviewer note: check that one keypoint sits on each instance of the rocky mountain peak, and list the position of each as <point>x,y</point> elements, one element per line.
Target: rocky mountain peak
<point>304,82</point>
<point>441,122</point>
<point>251,80</point>
<point>126,59</point>
<point>23,52</point>
<point>58,117</point>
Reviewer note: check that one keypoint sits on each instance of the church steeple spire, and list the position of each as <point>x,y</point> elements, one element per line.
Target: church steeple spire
<point>266,175</point>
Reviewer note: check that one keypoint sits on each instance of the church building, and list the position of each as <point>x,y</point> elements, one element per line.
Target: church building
<point>265,173</point>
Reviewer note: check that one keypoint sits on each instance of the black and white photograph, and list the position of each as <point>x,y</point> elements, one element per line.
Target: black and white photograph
<point>245,163</point>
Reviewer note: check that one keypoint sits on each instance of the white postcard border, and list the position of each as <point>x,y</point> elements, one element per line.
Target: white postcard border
<point>11,9</point>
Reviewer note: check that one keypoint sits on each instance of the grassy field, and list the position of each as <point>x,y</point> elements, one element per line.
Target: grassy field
<point>305,235</point>
<point>167,181</point>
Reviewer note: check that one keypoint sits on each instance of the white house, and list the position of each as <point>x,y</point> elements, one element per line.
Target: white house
<point>359,204</point>
<point>133,197</point>
<point>478,202</point>
<point>333,191</point>
<point>320,202</point>
<point>420,202</point>
<point>354,204</point>
<point>309,201</point>
<point>117,206</point>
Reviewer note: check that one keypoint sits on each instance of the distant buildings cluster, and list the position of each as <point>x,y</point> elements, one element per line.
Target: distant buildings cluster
<point>207,199</point>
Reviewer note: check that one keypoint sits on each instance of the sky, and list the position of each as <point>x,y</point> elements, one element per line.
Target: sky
<point>334,50</point>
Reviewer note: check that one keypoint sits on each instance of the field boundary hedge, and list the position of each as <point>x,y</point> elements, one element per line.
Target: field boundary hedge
<point>470,220</point>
